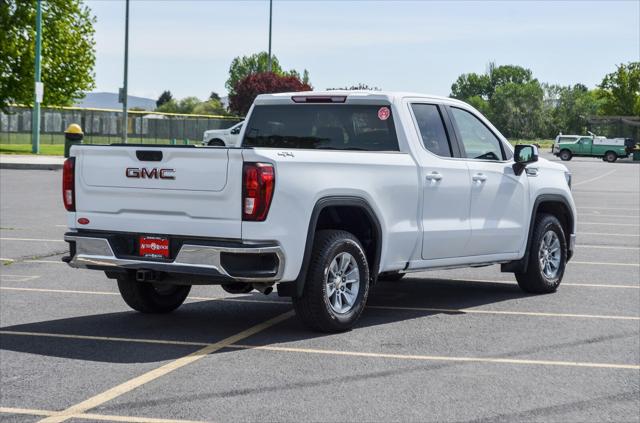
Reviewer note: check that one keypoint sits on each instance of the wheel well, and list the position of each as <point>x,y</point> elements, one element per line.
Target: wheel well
<point>561,212</point>
<point>610,151</point>
<point>359,222</point>
<point>216,142</point>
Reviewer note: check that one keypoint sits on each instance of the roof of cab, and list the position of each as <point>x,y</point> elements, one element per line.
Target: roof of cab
<point>352,96</point>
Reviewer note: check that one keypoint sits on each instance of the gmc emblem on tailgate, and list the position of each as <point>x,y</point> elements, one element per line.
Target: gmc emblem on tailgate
<point>155,173</point>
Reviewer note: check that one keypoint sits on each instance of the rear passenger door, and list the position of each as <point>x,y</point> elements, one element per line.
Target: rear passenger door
<point>498,213</point>
<point>445,185</point>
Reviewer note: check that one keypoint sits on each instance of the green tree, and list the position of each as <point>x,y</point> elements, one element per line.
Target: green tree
<point>241,67</point>
<point>165,97</point>
<point>470,85</point>
<point>573,106</point>
<point>209,107</point>
<point>506,74</point>
<point>517,109</point>
<point>620,91</point>
<point>68,51</point>
<point>214,96</point>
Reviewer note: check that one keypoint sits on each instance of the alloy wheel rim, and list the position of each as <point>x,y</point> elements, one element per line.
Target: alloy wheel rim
<point>342,283</point>
<point>550,255</point>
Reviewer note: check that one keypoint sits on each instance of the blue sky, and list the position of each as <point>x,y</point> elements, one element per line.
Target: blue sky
<point>422,46</point>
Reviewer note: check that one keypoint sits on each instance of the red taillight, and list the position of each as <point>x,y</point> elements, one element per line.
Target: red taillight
<point>69,184</point>
<point>258,179</point>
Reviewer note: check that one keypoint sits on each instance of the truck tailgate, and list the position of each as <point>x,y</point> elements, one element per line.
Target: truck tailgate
<point>159,190</point>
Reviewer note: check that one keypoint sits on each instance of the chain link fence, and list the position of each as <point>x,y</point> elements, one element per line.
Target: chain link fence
<point>103,126</point>
<point>615,126</point>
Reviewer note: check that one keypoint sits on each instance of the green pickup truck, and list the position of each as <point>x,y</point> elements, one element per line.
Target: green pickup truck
<point>610,149</point>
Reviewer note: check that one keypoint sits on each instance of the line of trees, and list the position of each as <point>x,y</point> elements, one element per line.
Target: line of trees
<point>522,107</point>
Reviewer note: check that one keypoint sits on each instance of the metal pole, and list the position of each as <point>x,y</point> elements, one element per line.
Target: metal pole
<point>270,15</point>
<point>35,116</point>
<point>126,75</point>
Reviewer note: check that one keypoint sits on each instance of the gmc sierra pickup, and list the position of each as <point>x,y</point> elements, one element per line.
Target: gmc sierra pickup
<point>327,193</point>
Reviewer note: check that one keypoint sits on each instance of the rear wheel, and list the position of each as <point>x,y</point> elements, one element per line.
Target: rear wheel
<point>216,142</point>
<point>547,257</point>
<point>337,283</point>
<point>152,297</point>
<point>565,155</point>
<point>611,156</point>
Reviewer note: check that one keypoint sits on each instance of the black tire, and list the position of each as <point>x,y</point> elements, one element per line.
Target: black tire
<point>313,307</point>
<point>148,297</point>
<point>216,142</point>
<point>534,280</point>
<point>565,155</point>
<point>610,156</point>
<point>391,276</point>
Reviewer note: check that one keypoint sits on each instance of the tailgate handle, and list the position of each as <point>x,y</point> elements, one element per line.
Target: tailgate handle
<point>149,155</point>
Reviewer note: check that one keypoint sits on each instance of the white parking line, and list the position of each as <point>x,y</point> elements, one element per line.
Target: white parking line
<point>587,285</point>
<point>633,216</point>
<point>607,247</point>
<point>32,239</point>
<point>608,224</point>
<point>609,208</point>
<point>608,234</point>
<point>17,278</point>
<point>600,263</point>
<point>594,178</point>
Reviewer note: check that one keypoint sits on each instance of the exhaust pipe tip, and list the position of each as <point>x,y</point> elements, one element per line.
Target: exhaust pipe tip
<point>264,288</point>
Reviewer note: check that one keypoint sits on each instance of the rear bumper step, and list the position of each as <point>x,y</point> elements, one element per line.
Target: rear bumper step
<point>212,261</point>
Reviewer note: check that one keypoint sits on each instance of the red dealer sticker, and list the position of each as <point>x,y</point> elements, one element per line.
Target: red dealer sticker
<point>384,113</point>
<point>152,246</point>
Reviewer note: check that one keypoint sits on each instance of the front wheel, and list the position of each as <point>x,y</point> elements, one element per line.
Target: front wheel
<point>337,283</point>
<point>565,155</point>
<point>148,297</point>
<point>547,257</point>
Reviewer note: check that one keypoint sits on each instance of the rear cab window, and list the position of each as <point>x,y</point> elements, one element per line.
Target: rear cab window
<point>322,127</point>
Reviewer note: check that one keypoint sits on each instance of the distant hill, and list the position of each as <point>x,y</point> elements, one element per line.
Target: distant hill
<point>110,101</point>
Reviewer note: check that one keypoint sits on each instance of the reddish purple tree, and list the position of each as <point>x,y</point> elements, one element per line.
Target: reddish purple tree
<point>247,89</point>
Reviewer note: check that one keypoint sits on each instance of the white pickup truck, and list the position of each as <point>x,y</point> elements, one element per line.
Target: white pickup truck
<point>327,193</point>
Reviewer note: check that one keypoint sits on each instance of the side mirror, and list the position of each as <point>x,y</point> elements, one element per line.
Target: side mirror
<point>523,155</point>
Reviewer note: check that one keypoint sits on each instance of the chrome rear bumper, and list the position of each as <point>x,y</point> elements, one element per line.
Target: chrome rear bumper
<point>94,252</point>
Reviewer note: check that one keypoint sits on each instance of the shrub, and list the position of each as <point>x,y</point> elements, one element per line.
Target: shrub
<point>247,89</point>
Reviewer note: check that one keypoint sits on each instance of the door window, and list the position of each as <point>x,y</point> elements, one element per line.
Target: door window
<point>479,142</point>
<point>432,130</point>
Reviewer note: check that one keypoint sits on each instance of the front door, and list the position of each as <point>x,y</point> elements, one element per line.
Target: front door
<point>498,213</point>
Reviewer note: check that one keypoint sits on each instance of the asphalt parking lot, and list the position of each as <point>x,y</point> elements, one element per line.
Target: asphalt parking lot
<point>456,345</point>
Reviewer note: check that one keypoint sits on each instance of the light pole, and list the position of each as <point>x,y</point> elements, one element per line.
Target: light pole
<point>38,89</point>
<point>124,94</point>
<point>270,15</point>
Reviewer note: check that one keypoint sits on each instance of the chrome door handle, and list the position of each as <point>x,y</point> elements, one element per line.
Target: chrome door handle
<point>434,176</point>
<point>479,177</point>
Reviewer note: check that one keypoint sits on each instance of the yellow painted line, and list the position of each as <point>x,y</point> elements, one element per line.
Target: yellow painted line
<point>443,310</point>
<point>92,416</point>
<point>602,263</point>
<point>594,178</point>
<point>17,278</point>
<point>104,338</point>
<point>332,352</point>
<point>28,411</point>
<point>441,358</point>
<point>152,375</point>
<point>61,291</point>
<point>32,239</point>
<point>505,312</point>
